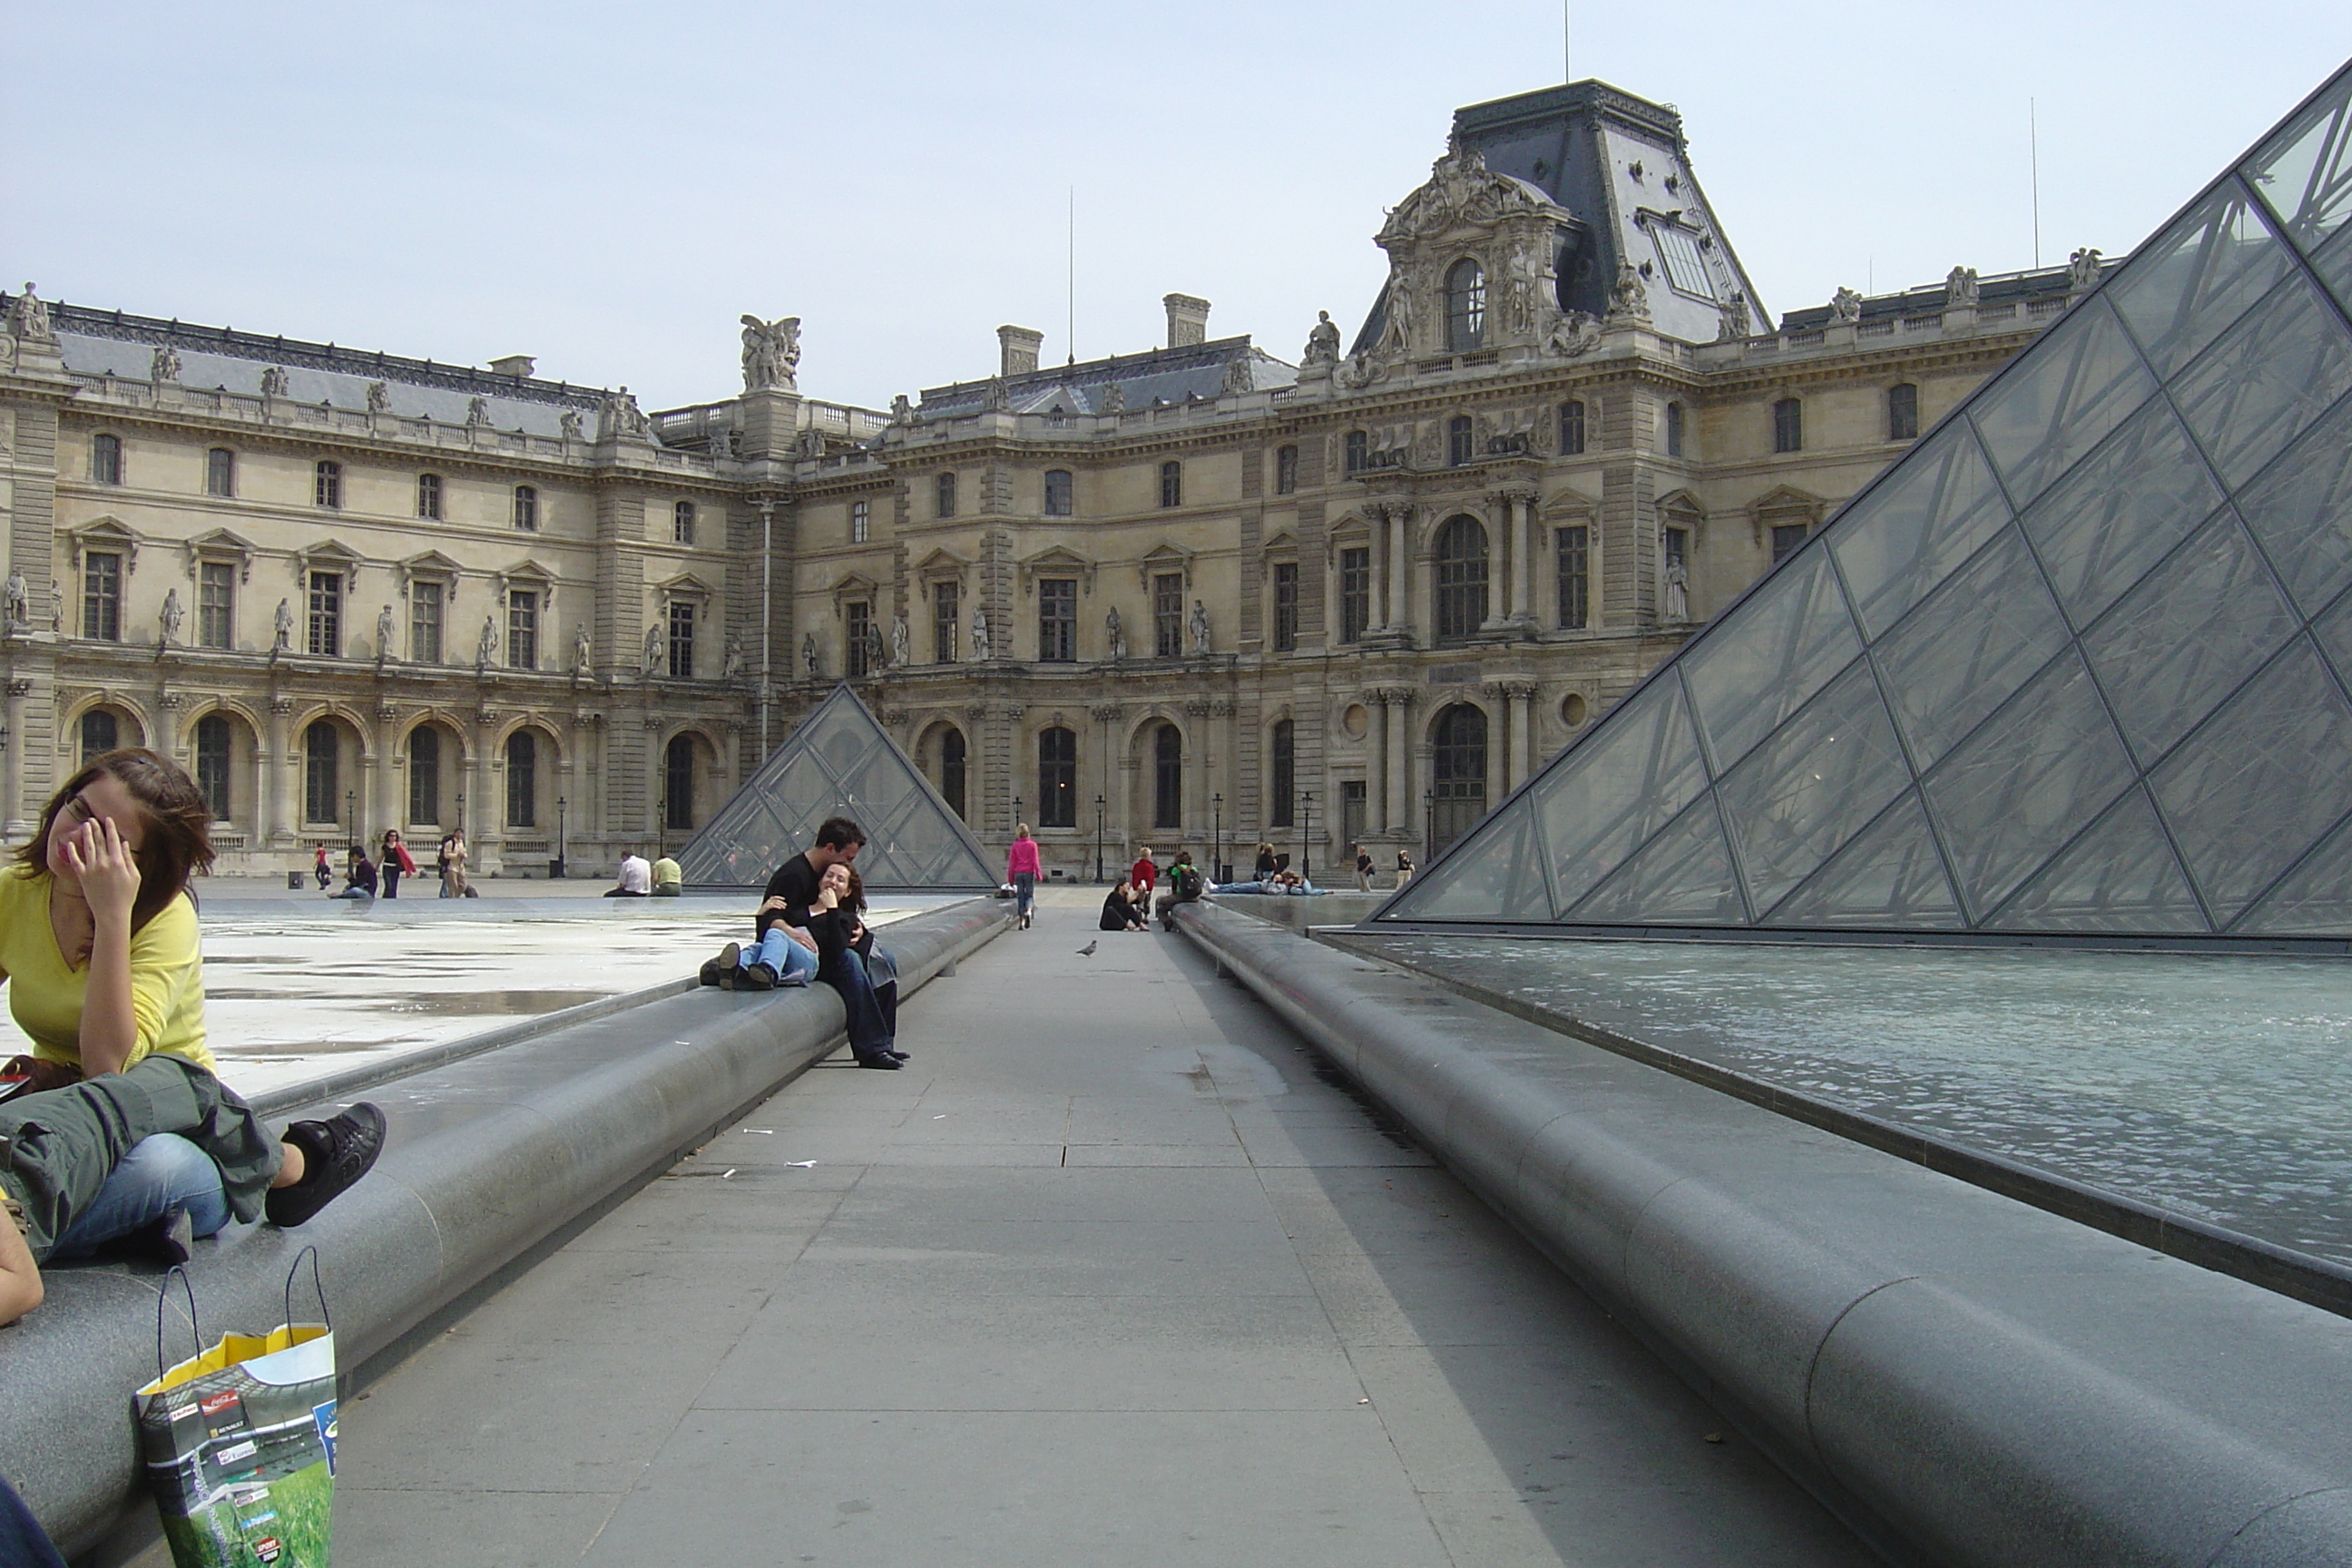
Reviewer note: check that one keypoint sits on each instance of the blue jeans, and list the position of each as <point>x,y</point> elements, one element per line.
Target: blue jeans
<point>873,1016</point>
<point>159,1175</point>
<point>794,965</point>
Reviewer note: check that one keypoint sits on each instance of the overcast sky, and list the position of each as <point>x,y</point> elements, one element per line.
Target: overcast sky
<point>608,186</point>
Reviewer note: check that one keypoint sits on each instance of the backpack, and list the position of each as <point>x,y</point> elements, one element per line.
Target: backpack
<point>1186,880</point>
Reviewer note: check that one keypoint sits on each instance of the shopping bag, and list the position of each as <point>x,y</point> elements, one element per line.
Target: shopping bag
<point>239,1441</point>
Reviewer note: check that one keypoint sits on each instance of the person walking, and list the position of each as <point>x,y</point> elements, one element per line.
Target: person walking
<point>453,864</point>
<point>1021,870</point>
<point>1363,870</point>
<point>1142,876</point>
<point>321,869</point>
<point>1404,868</point>
<point>394,863</point>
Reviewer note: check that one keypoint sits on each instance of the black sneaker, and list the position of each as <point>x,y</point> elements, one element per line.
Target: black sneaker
<point>337,1152</point>
<point>758,977</point>
<point>723,969</point>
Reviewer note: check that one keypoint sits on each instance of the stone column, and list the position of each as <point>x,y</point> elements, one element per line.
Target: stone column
<point>12,773</point>
<point>1400,582</point>
<point>1376,777</point>
<point>1522,506</point>
<point>1398,701</point>
<point>277,766</point>
<point>1514,698</point>
<point>390,804</point>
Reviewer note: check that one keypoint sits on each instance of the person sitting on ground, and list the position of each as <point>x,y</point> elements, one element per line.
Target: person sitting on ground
<point>1183,886</point>
<point>669,878</point>
<point>1118,910</point>
<point>1143,876</point>
<point>358,875</point>
<point>1269,863</point>
<point>123,1132</point>
<point>636,877</point>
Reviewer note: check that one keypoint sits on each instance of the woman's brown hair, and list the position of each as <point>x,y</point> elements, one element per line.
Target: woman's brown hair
<point>856,899</point>
<point>177,843</point>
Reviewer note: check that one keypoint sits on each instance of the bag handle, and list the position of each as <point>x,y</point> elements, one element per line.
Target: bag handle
<point>162,1299</point>
<point>315,1285</point>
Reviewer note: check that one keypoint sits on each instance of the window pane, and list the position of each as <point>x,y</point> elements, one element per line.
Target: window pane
<point>1788,426</point>
<point>101,597</point>
<point>2313,899</point>
<point>944,503</point>
<point>1907,534</point>
<point>2132,500</point>
<point>2269,376</point>
<point>1681,877</point>
<point>522,631</point>
<point>2301,509</point>
<point>2183,289</point>
<point>2259,783</point>
<point>1168,614</point>
<point>1285,606</point>
<point>1059,492</point>
<point>213,766</point>
<point>2059,397</point>
<point>1812,785</point>
<point>428,495</point>
<point>1286,470</point>
<point>1058,618</point>
<point>681,522</point>
<point>1792,635</point>
<point>1355,594</point>
<point>1891,876</point>
<point>216,604</point>
<point>425,624</point>
<point>681,641</point>
<point>678,784</point>
<point>2122,876</point>
<point>100,734</point>
<point>2306,174</point>
<point>523,780</point>
<point>2023,785</point>
<point>1575,564</point>
<point>425,775</point>
<point>1902,413</point>
<point>325,627</point>
<point>321,756</point>
<point>1618,787</point>
<point>1960,655</point>
<point>1572,429</point>
<point>526,507</point>
<point>1167,777</point>
<point>220,472</point>
<point>1686,267</point>
<point>945,621</point>
<point>2184,638</point>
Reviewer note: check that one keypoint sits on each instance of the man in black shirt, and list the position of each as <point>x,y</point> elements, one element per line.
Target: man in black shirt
<point>791,897</point>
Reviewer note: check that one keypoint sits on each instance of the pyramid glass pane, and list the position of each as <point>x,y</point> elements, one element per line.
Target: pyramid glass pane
<point>1908,533</point>
<point>2133,499</point>
<point>1499,877</point>
<point>2190,285</point>
<point>2048,407</point>
<point>1603,799</point>
<point>839,762</point>
<point>2121,876</point>
<point>1892,875</point>
<point>2313,899</point>
<point>1683,877</point>
<point>2334,266</point>
<point>2025,783</point>
<point>2260,782</point>
<point>1960,655</point>
<point>1814,785</point>
<point>1793,637</point>
<point>2182,640</point>
<point>2305,172</point>
<point>2300,508</point>
<point>2333,630</point>
<point>2266,379</point>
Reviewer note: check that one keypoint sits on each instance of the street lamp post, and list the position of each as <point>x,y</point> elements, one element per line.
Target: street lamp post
<point>351,813</point>
<point>1428,824</point>
<point>1217,836</point>
<point>1305,832</point>
<point>661,826</point>
<point>461,811</point>
<point>1098,839</point>
<point>557,870</point>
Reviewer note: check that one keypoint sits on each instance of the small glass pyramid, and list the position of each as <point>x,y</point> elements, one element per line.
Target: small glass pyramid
<point>2078,665</point>
<point>839,762</point>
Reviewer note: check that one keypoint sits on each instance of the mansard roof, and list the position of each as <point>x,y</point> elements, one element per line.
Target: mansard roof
<point>1156,377</point>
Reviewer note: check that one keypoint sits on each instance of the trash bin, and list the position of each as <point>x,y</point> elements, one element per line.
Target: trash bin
<point>293,881</point>
<point>555,870</point>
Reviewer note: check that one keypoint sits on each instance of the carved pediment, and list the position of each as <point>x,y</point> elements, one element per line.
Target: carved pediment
<point>220,545</point>
<point>1165,558</point>
<point>1057,561</point>
<point>685,585</point>
<point>105,533</point>
<point>1571,504</point>
<point>1461,193</point>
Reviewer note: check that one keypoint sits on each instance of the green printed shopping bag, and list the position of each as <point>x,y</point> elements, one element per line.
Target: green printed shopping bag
<point>239,1442</point>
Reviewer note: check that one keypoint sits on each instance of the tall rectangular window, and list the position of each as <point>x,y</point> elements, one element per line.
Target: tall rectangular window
<point>681,639</point>
<point>424,774</point>
<point>216,604</point>
<point>326,618</point>
<point>1285,606</point>
<point>220,472</point>
<point>105,459</point>
<point>1057,778</point>
<point>1575,551</point>
<point>1357,451</point>
<point>1786,537</point>
<point>321,773</point>
<point>1788,426</point>
<point>944,498</point>
<point>1286,470</point>
<point>946,602</point>
<point>428,496</point>
<point>1172,484</point>
<point>1355,593</point>
<point>1572,428</point>
<point>522,630</point>
<point>681,524</point>
<point>1282,791</point>
<point>1353,805</point>
<point>1057,619</point>
<point>861,521</point>
<point>213,741</point>
<point>860,648</point>
<point>1902,413</point>
<point>326,484</point>
<point>102,595</point>
<point>425,631</point>
<point>526,509</point>
<point>1674,429</point>
<point>1059,494</point>
<point>1168,614</point>
<point>1460,440</point>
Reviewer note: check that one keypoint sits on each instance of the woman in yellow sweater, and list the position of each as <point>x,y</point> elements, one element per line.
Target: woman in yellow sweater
<point>128,1127</point>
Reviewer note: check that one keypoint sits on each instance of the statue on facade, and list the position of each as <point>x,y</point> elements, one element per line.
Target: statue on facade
<point>1404,308</point>
<point>378,397</point>
<point>1322,341</point>
<point>569,423</point>
<point>731,665</point>
<point>1574,334</point>
<point>1736,323</point>
<point>1846,305</point>
<point>653,650</point>
<point>809,445</point>
<point>163,365</point>
<point>283,623</point>
<point>1628,300</point>
<point>1960,288</point>
<point>584,652</point>
<point>1241,376</point>
<point>1677,592</point>
<point>902,645</point>
<point>902,413</point>
<point>15,604</point>
<point>620,418</point>
<point>772,353</point>
<point>486,649</point>
<point>2081,271</point>
<point>28,318</point>
<point>1114,635</point>
<point>478,411</point>
<point>384,634</point>
<point>273,381</point>
<point>171,615</point>
<point>1200,629</point>
<point>811,661</point>
<point>1113,399</point>
<point>980,649</point>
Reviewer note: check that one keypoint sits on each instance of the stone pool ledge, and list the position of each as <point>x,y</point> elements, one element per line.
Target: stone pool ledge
<point>1963,1378</point>
<point>489,1156</point>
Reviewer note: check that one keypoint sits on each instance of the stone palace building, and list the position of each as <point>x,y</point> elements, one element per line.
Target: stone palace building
<point>1194,594</point>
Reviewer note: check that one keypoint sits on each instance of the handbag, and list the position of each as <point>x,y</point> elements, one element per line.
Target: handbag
<point>239,1440</point>
<point>31,1075</point>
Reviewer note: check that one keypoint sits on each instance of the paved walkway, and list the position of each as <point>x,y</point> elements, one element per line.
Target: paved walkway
<point>1110,1274</point>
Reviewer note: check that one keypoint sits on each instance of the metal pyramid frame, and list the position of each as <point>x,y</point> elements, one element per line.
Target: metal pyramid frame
<point>839,762</point>
<point>2077,667</point>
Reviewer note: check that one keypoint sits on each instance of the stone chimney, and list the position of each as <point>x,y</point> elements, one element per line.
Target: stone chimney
<point>518,365</point>
<point>1188,320</point>
<point>1017,350</point>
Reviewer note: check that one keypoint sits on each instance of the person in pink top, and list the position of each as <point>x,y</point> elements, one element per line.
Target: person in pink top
<point>1021,870</point>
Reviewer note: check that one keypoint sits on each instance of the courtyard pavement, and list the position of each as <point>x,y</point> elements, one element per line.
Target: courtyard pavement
<point>1114,1273</point>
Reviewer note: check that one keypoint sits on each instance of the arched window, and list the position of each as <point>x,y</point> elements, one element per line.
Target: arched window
<point>321,764</point>
<point>1359,451</point>
<point>425,775</point>
<point>1167,777</point>
<point>1902,413</point>
<point>946,492</point>
<point>1572,428</point>
<point>678,783</point>
<point>1459,440</point>
<point>100,734</point>
<point>1057,778</point>
<point>105,459</point>
<point>220,472</point>
<point>1457,773</point>
<point>326,488</point>
<point>951,758</point>
<point>526,509</point>
<point>1058,493</point>
<point>1286,470</point>
<point>523,780</point>
<point>428,496</point>
<point>1789,425</point>
<point>1171,483</point>
<point>1465,307</point>
<point>1282,786</point>
<point>213,743</point>
<point>1461,579</point>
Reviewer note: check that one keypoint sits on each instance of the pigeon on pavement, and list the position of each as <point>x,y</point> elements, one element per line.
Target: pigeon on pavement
<point>1088,951</point>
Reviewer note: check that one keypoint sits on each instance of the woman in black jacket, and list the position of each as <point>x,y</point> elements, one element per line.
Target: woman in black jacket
<point>1118,910</point>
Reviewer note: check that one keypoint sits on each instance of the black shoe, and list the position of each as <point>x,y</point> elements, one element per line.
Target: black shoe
<point>758,977</point>
<point>337,1152</point>
<point>168,1242</point>
<point>730,967</point>
<point>882,1061</point>
<point>901,1055</point>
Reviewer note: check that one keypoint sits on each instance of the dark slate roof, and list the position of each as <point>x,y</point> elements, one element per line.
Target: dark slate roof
<point>1159,376</point>
<point>2002,289</point>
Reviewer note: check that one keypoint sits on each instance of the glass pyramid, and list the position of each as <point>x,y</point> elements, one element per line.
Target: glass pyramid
<point>2078,666</point>
<point>839,762</point>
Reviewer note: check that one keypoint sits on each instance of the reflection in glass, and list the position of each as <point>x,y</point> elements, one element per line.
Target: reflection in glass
<point>1959,654</point>
<point>2301,509</point>
<point>1683,877</point>
<point>1928,515</point>
<point>2313,899</point>
<point>2121,876</point>
<point>2183,289</point>
<point>1811,787</point>
<point>1792,635</point>
<point>1611,792</point>
<point>2268,377</point>
<point>1498,877</point>
<point>1891,876</point>
<point>2306,171</point>
<point>2052,406</point>
<point>2135,499</point>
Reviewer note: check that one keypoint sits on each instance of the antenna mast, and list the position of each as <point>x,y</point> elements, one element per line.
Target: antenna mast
<point>1071,341</point>
<point>2033,155</point>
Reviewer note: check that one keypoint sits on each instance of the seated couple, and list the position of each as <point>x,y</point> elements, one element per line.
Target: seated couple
<point>808,925</point>
<point>119,1129</point>
<point>1125,909</point>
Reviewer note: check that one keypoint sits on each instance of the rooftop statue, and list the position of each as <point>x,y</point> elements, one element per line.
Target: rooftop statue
<point>620,418</point>
<point>163,365</point>
<point>28,318</point>
<point>2082,269</point>
<point>1322,341</point>
<point>1960,287</point>
<point>772,353</point>
<point>1846,305</point>
<point>378,397</point>
<point>273,381</point>
<point>1628,300</point>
